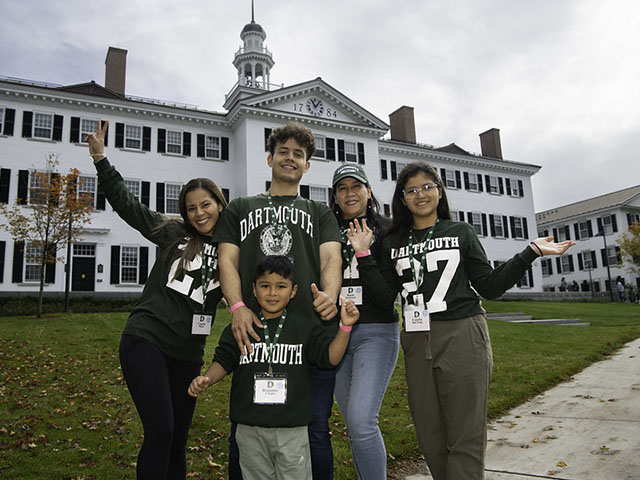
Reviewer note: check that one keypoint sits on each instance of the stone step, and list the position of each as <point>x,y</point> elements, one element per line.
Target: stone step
<point>519,317</point>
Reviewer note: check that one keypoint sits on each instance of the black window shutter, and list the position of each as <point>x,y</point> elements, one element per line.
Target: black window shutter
<point>225,194</point>
<point>567,232</point>
<point>23,186</point>
<point>580,263</point>
<point>330,143</point>
<point>267,134</point>
<point>599,221</point>
<point>603,254</point>
<point>443,176</point>
<point>555,235</point>
<point>394,170</point>
<point>101,200</point>
<point>146,139</point>
<point>224,150</point>
<point>589,228</point>
<point>594,263</point>
<point>383,169</point>
<point>53,177</point>
<point>576,230</point>
<point>508,185</point>
<point>530,273</point>
<point>550,265</point>
<point>160,197</point>
<point>143,266</point>
<point>267,185</point>
<point>18,257</point>
<point>9,119</point>
<point>618,256</point>
<point>458,181</point>
<point>200,145</point>
<point>505,226</point>
<point>484,224</point>
<point>361,153</point>
<point>145,192</point>
<point>119,135</point>
<point>115,265</point>
<point>500,186</point>
<point>50,268</point>
<point>466,180</point>
<point>57,128</point>
<point>27,122</point>
<point>387,210</point>
<point>525,227</point>
<point>570,262</point>
<point>614,222</point>
<point>487,183</point>
<point>106,134</point>
<point>74,136</point>
<point>558,264</point>
<point>520,190</point>
<point>5,182</point>
<point>162,140</point>
<point>304,191</point>
<point>492,225</point>
<point>480,182</point>
<point>341,150</point>
<point>470,218</point>
<point>186,144</point>
<point>3,246</point>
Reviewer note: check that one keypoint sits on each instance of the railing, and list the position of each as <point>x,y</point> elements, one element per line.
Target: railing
<point>263,50</point>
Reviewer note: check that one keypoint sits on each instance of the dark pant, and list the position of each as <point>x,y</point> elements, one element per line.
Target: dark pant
<point>322,385</point>
<point>158,385</point>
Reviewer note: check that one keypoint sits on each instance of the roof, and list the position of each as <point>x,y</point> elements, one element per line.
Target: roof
<point>253,27</point>
<point>453,148</point>
<point>602,202</point>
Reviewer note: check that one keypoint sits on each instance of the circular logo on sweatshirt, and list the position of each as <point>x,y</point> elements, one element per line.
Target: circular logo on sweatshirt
<point>273,244</point>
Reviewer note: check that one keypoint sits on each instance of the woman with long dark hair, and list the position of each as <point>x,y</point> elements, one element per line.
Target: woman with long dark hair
<point>162,344</point>
<point>366,368</point>
<point>437,265</point>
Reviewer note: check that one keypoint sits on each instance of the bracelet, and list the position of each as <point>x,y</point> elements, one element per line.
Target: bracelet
<point>537,248</point>
<point>345,328</point>
<point>236,306</point>
<point>363,254</point>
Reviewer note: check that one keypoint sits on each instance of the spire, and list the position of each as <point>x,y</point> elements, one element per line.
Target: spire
<point>253,60</point>
<point>252,16</point>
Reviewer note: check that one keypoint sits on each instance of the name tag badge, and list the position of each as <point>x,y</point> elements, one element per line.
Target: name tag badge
<point>353,292</point>
<point>269,389</point>
<point>416,316</point>
<point>201,323</point>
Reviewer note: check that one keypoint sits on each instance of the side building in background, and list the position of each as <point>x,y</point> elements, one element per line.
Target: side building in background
<point>158,146</point>
<point>595,225</point>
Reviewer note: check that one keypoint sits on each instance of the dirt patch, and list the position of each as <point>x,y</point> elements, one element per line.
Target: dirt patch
<point>400,469</point>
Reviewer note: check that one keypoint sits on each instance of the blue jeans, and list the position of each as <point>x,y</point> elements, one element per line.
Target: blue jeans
<point>322,385</point>
<point>361,381</point>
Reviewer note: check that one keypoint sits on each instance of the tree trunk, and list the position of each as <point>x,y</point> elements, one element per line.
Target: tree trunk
<point>40,294</point>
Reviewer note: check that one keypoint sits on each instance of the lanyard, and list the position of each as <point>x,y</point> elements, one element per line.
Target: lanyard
<point>206,273</point>
<point>279,229</point>
<point>267,339</point>
<point>418,278</point>
<point>347,251</point>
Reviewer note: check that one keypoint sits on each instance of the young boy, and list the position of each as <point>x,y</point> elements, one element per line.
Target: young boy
<point>271,391</point>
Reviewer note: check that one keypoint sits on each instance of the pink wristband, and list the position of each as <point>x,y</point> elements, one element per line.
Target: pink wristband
<point>345,328</point>
<point>363,254</point>
<point>236,306</point>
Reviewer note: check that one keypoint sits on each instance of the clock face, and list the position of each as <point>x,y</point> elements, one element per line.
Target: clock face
<point>315,106</point>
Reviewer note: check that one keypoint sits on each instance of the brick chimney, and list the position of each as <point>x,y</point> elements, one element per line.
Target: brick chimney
<point>403,126</point>
<point>115,70</point>
<point>490,143</point>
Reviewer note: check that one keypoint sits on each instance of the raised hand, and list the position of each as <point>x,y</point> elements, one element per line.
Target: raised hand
<point>96,141</point>
<point>323,304</point>
<point>360,236</point>
<point>546,246</point>
<point>349,313</point>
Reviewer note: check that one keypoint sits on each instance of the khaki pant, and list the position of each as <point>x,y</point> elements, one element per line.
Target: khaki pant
<point>274,453</point>
<point>448,374</point>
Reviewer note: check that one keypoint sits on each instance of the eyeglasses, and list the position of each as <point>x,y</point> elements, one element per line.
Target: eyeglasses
<point>413,192</point>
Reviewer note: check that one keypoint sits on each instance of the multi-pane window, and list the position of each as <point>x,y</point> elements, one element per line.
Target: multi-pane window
<point>350,151</point>
<point>212,147</point>
<point>562,233</point>
<point>566,264</point>
<point>320,147</point>
<point>134,187</point>
<point>450,179</point>
<point>518,228</point>
<point>86,127</point>
<point>515,190</point>
<point>133,137</point>
<point>587,262</point>
<point>172,192</point>
<point>1,118</point>
<point>545,263</point>
<point>476,219</point>
<point>473,182</point>
<point>319,194</point>
<point>607,226</point>
<point>583,228</point>
<point>174,141</point>
<point>455,215</point>
<point>43,125</point>
<point>494,186</point>
<point>524,281</point>
<point>498,226</point>
<point>84,249</point>
<point>129,265</point>
<point>38,185</point>
<point>32,257</point>
<point>612,257</point>
<point>87,186</point>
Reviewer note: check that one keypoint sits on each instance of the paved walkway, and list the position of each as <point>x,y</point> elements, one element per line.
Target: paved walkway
<point>585,429</point>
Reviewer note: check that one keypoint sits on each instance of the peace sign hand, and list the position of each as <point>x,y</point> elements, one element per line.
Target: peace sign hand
<point>96,141</point>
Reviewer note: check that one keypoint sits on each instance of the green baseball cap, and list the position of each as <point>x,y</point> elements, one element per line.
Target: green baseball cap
<point>350,170</point>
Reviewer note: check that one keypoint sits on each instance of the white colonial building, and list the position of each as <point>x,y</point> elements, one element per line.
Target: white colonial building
<point>158,146</point>
<point>585,222</point>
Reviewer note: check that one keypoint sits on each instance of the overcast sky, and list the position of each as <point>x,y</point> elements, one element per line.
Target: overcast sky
<point>560,79</point>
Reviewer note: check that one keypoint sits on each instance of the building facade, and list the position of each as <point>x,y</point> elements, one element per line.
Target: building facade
<point>158,146</point>
<point>595,225</point>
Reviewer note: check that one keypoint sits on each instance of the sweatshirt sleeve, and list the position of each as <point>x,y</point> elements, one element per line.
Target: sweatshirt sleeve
<point>490,282</point>
<point>380,280</point>
<point>126,205</point>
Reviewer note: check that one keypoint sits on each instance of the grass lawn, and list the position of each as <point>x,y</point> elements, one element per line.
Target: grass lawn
<point>65,412</point>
